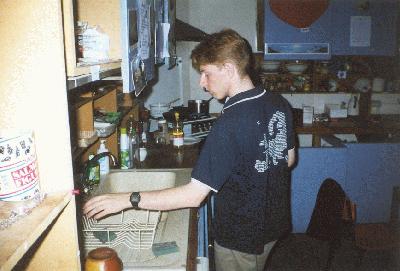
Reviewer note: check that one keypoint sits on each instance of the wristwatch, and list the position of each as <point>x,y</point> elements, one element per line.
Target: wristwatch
<point>135,199</point>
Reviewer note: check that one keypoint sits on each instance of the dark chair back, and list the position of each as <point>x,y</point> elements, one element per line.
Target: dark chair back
<point>327,221</point>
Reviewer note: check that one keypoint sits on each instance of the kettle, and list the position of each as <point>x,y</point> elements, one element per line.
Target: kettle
<point>353,105</point>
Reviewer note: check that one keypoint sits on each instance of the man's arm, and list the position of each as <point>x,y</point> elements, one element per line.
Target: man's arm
<point>291,157</point>
<point>189,195</point>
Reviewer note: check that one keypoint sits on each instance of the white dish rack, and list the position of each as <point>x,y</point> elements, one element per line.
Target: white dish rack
<point>134,229</point>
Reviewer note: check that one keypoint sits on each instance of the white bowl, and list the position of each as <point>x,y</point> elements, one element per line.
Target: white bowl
<point>270,66</point>
<point>296,68</point>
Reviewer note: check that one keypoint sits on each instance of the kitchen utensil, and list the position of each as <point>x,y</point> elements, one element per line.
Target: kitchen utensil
<point>199,106</point>
<point>170,115</point>
<point>157,109</point>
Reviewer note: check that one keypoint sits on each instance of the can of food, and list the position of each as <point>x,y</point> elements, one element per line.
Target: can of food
<point>19,177</point>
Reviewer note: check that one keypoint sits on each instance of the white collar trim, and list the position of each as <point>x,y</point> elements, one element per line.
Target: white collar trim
<point>244,100</point>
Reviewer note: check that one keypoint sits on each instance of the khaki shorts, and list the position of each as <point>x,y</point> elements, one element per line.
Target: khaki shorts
<point>233,260</point>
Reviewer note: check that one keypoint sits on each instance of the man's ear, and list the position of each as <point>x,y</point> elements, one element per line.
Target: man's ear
<point>231,68</point>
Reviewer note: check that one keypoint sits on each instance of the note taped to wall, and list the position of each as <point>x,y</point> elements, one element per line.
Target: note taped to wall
<point>360,31</point>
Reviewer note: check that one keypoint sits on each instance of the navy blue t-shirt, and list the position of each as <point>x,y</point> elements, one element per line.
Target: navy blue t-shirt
<point>245,160</point>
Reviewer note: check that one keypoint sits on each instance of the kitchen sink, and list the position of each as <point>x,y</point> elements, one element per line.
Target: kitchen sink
<point>135,249</point>
<point>134,180</point>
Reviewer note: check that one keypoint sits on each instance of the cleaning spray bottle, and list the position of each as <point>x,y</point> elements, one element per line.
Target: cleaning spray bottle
<point>105,161</point>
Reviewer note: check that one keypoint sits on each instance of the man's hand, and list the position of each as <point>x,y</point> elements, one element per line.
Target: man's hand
<point>106,204</point>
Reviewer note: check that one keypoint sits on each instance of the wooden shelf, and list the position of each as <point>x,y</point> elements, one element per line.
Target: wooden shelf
<point>20,236</point>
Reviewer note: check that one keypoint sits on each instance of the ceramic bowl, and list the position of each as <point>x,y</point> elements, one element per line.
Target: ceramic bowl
<point>296,68</point>
<point>270,66</point>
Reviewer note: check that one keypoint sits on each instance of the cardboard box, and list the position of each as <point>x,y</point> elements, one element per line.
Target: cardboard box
<point>335,111</point>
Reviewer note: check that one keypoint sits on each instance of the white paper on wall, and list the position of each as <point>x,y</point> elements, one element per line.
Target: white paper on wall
<point>360,31</point>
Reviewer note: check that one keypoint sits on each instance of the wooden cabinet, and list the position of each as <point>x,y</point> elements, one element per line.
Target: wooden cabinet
<point>33,96</point>
<point>104,14</point>
<point>83,107</point>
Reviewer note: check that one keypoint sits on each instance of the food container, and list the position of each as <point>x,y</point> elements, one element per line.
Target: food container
<point>19,177</point>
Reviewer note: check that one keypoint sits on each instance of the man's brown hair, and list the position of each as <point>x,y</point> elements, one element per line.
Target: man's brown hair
<point>221,47</point>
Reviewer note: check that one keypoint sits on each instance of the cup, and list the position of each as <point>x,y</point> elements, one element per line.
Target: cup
<point>141,154</point>
<point>378,84</point>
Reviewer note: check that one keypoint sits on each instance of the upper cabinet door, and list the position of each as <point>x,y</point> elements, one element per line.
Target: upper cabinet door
<point>364,27</point>
<point>297,29</point>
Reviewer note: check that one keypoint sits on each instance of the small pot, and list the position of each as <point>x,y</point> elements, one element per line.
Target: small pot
<point>170,115</point>
<point>157,110</point>
<point>199,106</point>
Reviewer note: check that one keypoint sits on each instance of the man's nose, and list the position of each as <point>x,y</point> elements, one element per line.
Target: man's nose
<point>202,82</point>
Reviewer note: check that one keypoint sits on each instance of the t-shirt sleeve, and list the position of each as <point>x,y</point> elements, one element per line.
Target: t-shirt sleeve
<point>216,160</point>
<point>290,128</point>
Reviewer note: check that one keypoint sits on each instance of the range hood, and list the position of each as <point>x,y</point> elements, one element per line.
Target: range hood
<point>186,32</point>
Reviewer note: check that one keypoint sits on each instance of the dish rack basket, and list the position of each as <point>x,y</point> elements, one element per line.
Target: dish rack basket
<point>126,228</point>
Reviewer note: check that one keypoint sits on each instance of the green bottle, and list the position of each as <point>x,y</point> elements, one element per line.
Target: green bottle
<point>94,172</point>
<point>124,150</point>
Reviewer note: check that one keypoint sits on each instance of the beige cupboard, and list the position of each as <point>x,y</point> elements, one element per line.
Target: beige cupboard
<point>33,94</point>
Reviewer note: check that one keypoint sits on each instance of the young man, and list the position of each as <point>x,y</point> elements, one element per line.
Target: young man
<point>245,161</point>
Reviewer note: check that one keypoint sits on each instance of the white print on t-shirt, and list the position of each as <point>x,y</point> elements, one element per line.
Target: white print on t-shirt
<point>274,147</point>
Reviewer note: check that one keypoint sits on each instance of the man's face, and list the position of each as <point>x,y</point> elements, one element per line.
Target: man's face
<point>215,80</point>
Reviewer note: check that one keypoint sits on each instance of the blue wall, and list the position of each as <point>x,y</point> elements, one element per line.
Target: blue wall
<point>367,173</point>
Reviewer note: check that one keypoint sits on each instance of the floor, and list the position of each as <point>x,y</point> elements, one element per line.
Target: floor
<point>299,253</point>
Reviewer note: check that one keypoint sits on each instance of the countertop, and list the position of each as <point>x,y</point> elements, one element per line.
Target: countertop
<point>374,127</point>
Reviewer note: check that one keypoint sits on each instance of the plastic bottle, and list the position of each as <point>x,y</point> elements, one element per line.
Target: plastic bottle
<point>177,132</point>
<point>130,125</point>
<point>124,150</point>
<point>162,133</point>
<point>105,161</point>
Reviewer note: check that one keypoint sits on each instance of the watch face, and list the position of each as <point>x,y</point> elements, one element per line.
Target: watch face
<point>135,199</point>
